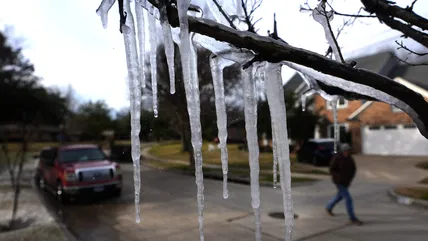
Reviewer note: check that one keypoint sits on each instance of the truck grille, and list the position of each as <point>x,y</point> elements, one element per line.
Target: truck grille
<point>94,175</point>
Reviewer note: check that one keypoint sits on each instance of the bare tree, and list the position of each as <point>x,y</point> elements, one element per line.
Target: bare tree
<point>14,165</point>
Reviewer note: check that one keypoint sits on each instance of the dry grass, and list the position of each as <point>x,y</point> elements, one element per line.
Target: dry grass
<point>413,192</point>
<point>237,158</point>
<point>233,174</point>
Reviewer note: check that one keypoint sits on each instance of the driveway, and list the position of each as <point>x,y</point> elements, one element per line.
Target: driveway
<point>398,170</point>
<point>168,211</point>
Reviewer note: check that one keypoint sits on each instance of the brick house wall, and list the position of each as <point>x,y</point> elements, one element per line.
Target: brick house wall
<point>379,113</point>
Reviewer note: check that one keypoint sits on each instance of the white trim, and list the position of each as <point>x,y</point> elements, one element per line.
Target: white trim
<point>339,106</point>
<point>301,86</point>
<point>411,86</point>
<point>359,110</point>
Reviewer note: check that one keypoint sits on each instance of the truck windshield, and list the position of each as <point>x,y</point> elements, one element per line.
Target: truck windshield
<point>81,155</point>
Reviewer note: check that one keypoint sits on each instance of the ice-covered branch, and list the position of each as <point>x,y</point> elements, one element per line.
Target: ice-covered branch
<point>272,50</point>
<point>224,14</point>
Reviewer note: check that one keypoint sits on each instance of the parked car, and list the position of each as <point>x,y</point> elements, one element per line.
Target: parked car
<point>73,170</point>
<point>318,152</point>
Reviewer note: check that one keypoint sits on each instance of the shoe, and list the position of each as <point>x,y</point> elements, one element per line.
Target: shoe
<point>329,212</point>
<point>356,222</point>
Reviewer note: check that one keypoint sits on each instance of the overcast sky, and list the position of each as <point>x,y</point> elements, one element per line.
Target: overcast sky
<point>68,46</point>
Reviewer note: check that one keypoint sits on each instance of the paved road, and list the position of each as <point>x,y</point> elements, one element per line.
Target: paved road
<point>169,213</point>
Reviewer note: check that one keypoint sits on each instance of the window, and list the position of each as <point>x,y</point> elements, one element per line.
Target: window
<point>409,126</point>
<point>374,127</point>
<point>81,155</point>
<point>389,127</point>
<point>341,104</point>
<point>343,131</point>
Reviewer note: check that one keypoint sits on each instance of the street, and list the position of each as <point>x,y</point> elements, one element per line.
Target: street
<point>168,210</point>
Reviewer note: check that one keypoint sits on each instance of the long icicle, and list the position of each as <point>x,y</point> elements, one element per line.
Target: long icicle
<point>103,9</point>
<point>135,101</point>
<point>217,75</point>
<point>141,41</point>
<point>333,105</point>
<point>275,157</point>
<point>275,95</point>
<point>250,107</point>
<point>153,63</point>
<point>191,86</point>
<point>169,45</point>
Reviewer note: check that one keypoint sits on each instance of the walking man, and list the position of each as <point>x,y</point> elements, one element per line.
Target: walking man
<point>343,169</point>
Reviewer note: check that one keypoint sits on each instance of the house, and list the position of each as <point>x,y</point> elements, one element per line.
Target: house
<point>373,127</point>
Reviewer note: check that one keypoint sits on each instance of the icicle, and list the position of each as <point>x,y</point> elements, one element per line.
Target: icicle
<point>275,157</point>
<point>324,17</point>
<point>333,104</point>
<point>169,46</point>
<point>304,96</point>
<point>153,64</point>
<point>141,41</point>
<point>250,106</point>
<point>217,75</point>
<point>275,95</point>
<point>191,85</point>
<point>135,99</point>
<point>103,9</point>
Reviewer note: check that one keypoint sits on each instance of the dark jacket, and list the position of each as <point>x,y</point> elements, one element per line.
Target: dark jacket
<point>342,169</point>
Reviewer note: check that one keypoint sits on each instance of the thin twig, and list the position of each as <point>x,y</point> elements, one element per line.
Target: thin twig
<point>342,14</point>
<point>402,46</point>
<point>405,61</point>
<point>224,14</point>
<point>247,17</point>
<point>332,34</point>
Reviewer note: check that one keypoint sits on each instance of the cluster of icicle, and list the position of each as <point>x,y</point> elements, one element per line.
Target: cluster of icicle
<point>224,55</point>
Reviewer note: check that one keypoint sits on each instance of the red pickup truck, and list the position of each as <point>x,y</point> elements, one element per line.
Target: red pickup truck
<point>77,169</point>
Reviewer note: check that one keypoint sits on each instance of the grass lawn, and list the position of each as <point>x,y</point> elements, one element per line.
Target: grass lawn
<point>237,158</point>
<point>423,165</point>
<point>413,192</point>
<point>217,173</point>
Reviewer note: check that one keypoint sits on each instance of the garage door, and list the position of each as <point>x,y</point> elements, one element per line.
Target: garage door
<point>394,140</point>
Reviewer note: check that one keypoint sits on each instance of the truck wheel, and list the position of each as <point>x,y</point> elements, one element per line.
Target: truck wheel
<point>118,192</point>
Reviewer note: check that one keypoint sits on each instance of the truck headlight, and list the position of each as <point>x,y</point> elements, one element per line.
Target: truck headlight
<point>70,176</point>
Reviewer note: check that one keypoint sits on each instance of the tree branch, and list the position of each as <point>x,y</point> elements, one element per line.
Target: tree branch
<point>385,8</point>
<point>277,51</point>
<point>407,30</point>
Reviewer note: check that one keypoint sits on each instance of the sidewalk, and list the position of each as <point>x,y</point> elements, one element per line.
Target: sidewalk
<point>36,223</point>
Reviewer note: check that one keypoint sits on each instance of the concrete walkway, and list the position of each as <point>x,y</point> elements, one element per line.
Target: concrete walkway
<point>169,212</point>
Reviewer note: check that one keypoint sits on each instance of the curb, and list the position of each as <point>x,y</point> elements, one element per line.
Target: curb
<point>407,200</point>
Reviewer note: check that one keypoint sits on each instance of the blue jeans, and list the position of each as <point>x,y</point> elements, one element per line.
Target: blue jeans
<point>343,193</point>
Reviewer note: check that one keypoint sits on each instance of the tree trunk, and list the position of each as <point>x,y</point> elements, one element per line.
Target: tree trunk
<point>17,186</point>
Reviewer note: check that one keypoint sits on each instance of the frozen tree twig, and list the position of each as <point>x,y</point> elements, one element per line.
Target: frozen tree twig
<point>224,14</point>
<point>402,46</point>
